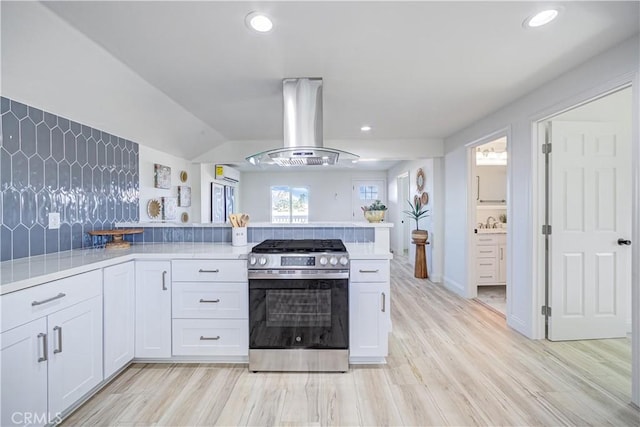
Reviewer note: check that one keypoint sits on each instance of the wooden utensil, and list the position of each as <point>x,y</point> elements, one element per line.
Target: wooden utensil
<point>245,220</point>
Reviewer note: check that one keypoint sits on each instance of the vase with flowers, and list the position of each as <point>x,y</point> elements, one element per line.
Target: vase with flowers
<point>375,211</point>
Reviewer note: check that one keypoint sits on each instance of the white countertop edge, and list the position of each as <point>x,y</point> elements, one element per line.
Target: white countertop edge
<point>329,224</point>
<point>34,271</point>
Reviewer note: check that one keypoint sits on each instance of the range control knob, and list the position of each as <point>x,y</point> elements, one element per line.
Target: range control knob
<point>344,260</point>
<point>333,260</point>
<point>323,260</point>
<point>252,260</point>
<point>263,260</point>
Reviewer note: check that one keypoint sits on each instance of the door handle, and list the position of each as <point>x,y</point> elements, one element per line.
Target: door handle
<point>44,347</point>
<point>59,349</point>
<point>164,280</point>
<point>624,242</point>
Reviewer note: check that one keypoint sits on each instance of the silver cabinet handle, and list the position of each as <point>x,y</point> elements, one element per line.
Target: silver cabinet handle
<point>501,253</point>
<point>43,358</point>
<point>203,338</point>
<point>486,277</point>
<point>209,300</point>
<point>484,240</point>
<point>384,302</point>
<point>369,271</point>
<point>59,349</point>
<point>44,301</point>
<point>164,280</point>
<point>208,271</point>
<point>478,187</point>
<point>485,252</point>
<point>485,264</point>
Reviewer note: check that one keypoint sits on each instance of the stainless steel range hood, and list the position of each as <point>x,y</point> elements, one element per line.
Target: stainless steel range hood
<point>302,129</point>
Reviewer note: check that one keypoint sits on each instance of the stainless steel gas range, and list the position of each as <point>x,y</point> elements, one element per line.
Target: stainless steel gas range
<point>299,306</point>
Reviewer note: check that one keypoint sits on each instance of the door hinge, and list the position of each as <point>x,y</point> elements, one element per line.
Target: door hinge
<point>546,230</point>
<point>546,148</point>
<point>546,310</point>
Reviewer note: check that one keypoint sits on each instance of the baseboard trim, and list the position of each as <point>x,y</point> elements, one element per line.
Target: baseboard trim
<point>454,286</point>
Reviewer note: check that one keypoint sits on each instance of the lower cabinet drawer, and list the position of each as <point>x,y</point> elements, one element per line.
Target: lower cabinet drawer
<point>210,337</point>
<point>210,300</point>
<point>487,277</point>
<point>485,251</point>
<point>486,265</point>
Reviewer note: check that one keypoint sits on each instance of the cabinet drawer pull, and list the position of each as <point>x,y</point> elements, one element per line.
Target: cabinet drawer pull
<point>486,252</point>
<point>369,271</point>
<point>164,280</point>
<point>59,349</point>
<point>43,358</point>
<point>208,271</point>
<point>485,264</point>
<point>484,240</point>
<point>384,302</point>
<point>44,301</point>
<point>486,277</point>
<point>209,300</point>
<point>203,338</point>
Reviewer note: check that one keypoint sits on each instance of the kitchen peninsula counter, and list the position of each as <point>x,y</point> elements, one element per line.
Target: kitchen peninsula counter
<point>32,271</point>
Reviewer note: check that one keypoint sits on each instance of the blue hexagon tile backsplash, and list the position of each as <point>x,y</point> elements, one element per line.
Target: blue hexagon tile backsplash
<point>52,164</point>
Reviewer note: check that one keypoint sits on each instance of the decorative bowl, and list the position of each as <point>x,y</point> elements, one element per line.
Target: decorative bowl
<point>374,216</point>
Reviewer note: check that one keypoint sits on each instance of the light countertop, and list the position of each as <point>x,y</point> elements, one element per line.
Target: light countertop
<point>327,224</point>
<point>32,271</point>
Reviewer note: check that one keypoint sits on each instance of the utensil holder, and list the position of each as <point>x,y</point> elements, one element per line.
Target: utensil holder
<point>239,236</point>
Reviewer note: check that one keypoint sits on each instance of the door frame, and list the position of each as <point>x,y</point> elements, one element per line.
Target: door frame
<point>471,290</point>
<point>403,238</point>
<point>631,79</point>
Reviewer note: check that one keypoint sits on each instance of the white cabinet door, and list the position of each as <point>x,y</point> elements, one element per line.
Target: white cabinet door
<point>368,319</point>
<point>75,353</point>
<point>119,316</point>
<point>153,309</point>
<point>23,357</point>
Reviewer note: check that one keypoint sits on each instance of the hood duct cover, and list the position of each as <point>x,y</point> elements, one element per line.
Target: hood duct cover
<point>302,110</point>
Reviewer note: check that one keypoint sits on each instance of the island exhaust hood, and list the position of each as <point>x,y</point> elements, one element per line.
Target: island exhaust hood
<point>302,129</point>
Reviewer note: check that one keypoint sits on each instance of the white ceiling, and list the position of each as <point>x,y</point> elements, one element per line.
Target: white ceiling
<point>409,69</point>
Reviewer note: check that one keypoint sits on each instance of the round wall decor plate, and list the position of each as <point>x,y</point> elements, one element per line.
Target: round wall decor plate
<point>424,198</point>
<point>184,217</point>
<point>184,176</point>
<point>154,208</point>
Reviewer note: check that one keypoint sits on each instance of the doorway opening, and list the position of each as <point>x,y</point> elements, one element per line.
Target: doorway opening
<point>403,232</point>
<point>488,211</point>
<point>586,213</point>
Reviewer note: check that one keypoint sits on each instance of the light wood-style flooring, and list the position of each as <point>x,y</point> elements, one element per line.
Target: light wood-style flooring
<point>452,362</point>
<point>494,297</point>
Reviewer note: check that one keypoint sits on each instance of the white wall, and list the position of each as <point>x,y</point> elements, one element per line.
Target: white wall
<point>329,192</point>
<point>148,157</point>
<point>48,64</point>
<point>601,73</point>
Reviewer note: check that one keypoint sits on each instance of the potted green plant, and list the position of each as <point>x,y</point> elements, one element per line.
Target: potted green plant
<point>374,212</point>
<point>416,212</point>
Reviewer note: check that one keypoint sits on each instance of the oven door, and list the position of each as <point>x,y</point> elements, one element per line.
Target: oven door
<point>298,313</point>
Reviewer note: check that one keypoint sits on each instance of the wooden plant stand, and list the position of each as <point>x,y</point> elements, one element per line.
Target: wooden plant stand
<point>420,270</point>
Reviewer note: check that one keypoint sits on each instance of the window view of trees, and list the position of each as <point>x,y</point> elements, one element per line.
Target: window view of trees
<point>289,205</point>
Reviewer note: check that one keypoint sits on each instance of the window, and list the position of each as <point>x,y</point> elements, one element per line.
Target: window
<point>289,205</point>
<point>369,192</point>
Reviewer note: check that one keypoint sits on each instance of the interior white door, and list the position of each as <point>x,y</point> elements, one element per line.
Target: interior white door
<point>590,209</point>
<point>366,192</point>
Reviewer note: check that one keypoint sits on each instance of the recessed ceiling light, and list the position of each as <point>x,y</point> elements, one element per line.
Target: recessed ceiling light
<point>541,18</point>
<point>258,22</point>
<point>365,128</point>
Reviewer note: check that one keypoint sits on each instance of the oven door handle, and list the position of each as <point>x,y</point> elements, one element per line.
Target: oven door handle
<point>276,274</point>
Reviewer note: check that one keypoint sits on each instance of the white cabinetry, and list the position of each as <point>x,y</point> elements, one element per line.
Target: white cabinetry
<point>369,310</point>
<point>119,316</point>
<point>210,308</point>
<point>75,356</point>
<point>491,262</point>
<point>153,309</point>
<point>51,348</point>
<point>24,373</point>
